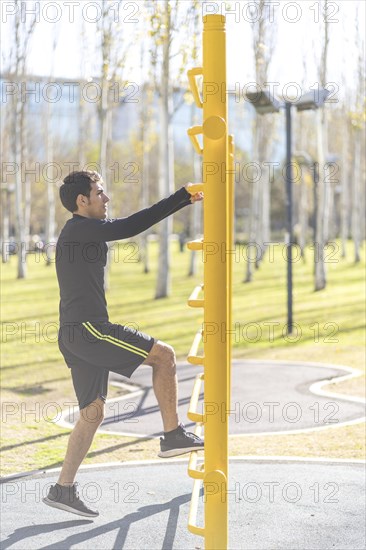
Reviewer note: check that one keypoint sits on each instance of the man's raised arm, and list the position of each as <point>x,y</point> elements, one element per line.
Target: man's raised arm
<point>124,228</point>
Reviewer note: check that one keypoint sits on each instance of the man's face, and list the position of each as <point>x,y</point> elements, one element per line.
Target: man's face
<point>96,205</point>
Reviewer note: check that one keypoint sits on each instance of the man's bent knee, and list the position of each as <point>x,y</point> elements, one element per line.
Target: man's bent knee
<point>161,355</point>
<point>94,412</point>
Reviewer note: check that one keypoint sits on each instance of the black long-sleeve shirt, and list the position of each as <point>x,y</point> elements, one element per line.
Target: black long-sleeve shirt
<point>81,256</point>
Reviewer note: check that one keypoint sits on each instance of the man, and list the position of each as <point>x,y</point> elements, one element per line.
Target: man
<point>92,345</point>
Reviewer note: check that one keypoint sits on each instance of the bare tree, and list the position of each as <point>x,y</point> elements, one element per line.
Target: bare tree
<point>166,20</point>
<point>195,221</point>
<point>82,115</point>
<point>320,276</point>
<point>304,209</point>
<point>358,126</point>
<point>147,136</point>
<point>345,175</point>
<point>305,176</point>
<point>145,123</point>
<point>114,52</point>
<point>166,153</point>
<point>23,28</point>
<point>263,39</point>
<point>7,186</point>
<point>323,185</point>
<point>50,217</point>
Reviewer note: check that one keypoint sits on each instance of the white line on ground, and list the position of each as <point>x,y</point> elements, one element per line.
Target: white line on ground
<point>152,462</point>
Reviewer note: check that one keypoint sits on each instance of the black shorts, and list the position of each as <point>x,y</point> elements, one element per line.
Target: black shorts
<point>92,349</point>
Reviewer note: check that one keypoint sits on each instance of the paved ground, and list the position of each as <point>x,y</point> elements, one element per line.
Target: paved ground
<point>283,505</point>
<point>266,397</point>
<point>273,504</point>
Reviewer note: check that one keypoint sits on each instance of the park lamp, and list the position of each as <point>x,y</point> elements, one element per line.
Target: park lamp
<point>264,103</point>
<point>312,100</point>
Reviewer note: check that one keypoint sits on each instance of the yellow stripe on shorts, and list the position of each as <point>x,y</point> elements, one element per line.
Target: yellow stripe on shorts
<point>115,341</point>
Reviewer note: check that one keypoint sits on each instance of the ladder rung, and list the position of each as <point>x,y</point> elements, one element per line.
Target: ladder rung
<point>193,133</point>
<point>194,470</point>
<point>193,300</point>
<point>196,303</point>
<point>197,244</point>
<point>193,510</point>
<point>193,358</point>
<point>192,411</point>
<point>192,73</point>
<point>196,359</point>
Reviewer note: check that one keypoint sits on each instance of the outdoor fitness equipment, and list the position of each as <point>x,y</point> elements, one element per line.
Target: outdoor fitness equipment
<point>217,250</point>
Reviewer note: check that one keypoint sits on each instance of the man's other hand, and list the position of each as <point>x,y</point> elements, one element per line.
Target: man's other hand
<point>195,197</point>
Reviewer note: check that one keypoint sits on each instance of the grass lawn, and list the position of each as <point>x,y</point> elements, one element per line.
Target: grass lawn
<point>36,384</point>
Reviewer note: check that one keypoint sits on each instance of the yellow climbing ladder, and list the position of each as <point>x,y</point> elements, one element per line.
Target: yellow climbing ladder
<point>217,151</point>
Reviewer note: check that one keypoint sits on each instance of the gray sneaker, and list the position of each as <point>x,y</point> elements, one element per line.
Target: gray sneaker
<point>67,498</point>
<point>179,443</point>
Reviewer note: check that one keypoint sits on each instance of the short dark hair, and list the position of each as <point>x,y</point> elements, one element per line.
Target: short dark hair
<point>77,183</point>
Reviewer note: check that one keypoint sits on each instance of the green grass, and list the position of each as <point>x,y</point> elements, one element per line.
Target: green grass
<point>329,328</point>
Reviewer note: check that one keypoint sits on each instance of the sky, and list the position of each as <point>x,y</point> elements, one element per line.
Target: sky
<point>294,60</point>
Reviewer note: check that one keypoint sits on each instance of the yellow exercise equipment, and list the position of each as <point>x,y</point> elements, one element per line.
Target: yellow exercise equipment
<point>217,250</point>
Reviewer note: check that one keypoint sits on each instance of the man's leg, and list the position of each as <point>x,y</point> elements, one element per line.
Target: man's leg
<point>176,440</point>
<point>80,440</point>
<point>162,359</point>
<point>64,494</point>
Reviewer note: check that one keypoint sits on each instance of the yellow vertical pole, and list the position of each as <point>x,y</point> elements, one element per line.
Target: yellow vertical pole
<point>216,345</point>
<point>230,248</point>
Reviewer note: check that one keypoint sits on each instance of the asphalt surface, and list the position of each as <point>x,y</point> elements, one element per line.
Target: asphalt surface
<point>266,397</point>
<point>273,504</point>
<point>283,505</point>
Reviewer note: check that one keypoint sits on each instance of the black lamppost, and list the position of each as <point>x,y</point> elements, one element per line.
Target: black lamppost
<point>263,103</point>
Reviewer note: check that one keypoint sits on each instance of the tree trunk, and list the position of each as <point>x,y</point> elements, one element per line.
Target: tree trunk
<point>50,220</point>
<point>320,275</point>
<point>145,133</point>
<point>303,209</point>
<point>22,32</point>
<point>27,180</point>
<point>266,193</point>
<point>344,187</point>
<point>356,197</point>
<point>82,123</point>
<point>323,190</point>
<point>166,163</point>
<point>19,203</point>
<point>303,212</point>
<point>327,184</point>
<point>105,128</point>
<point>259,213</point>
<point>166,172</point>
<point>5,234</point>
<point>254,212</point>
<point>6,131</point>
<point>82,132</point>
